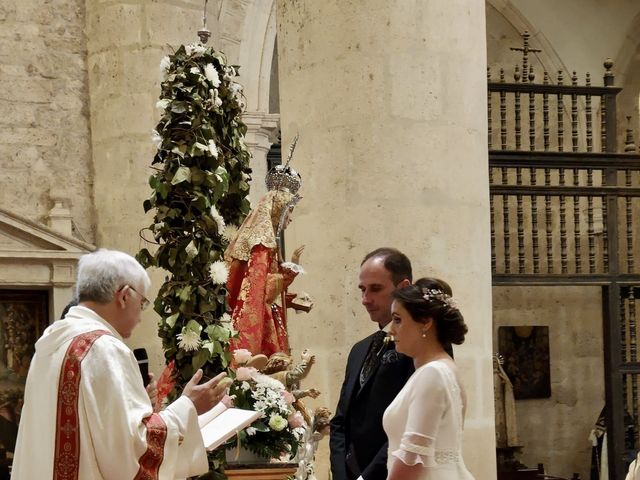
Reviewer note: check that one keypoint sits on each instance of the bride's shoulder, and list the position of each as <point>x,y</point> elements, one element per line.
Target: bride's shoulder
<point>437,369</point>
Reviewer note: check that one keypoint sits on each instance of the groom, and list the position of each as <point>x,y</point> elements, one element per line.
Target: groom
<point>374,375</point>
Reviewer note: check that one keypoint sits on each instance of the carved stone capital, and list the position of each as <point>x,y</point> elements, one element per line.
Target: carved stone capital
<point>262,130</point>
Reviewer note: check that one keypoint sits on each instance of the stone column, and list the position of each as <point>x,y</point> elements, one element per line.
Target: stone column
<point>126,41</point>
<point>389,99</point>
<point>262,130</point>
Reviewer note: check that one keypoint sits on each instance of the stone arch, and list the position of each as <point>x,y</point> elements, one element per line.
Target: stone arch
<point>548,57</point>
<point>249,31</point>
<point>627,69</point>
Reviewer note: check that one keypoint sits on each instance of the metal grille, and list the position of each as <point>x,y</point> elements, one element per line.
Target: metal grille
<point>565,210</point>
<point>629,335</point>
<point>555,220</point>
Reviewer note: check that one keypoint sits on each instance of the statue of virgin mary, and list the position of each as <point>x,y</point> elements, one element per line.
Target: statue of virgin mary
<point>258,275</point>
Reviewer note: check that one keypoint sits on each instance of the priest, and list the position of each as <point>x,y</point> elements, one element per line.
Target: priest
<point>86,413</point>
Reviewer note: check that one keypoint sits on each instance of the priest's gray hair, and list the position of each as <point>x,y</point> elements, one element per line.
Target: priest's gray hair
<point>103,272</point>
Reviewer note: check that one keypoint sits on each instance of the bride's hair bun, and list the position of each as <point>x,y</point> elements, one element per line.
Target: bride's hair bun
<point>433,298</point>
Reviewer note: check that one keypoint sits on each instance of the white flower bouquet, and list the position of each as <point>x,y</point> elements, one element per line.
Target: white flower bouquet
<point>279,431</point>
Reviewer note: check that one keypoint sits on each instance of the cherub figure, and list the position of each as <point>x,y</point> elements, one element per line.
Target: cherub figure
<point>321,422</point>
<point>306,455</point>
<point>279,366</point>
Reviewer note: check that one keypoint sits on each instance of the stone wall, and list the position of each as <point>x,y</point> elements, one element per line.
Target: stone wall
<point>554,431</point>
<point>44,124</point>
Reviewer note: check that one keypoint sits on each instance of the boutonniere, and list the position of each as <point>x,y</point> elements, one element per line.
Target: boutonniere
<point>390,356</point>
<point>383,348</point>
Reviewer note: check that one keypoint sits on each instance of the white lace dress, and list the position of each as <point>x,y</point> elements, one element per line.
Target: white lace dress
<point>424,423</point>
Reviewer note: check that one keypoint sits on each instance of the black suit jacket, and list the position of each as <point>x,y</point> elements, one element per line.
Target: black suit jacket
<point>357,424</point>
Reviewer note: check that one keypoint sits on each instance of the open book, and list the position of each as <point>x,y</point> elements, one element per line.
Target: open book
<point>221,423</point>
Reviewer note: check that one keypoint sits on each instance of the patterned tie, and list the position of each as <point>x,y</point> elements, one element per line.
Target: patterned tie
<point>372,359</point>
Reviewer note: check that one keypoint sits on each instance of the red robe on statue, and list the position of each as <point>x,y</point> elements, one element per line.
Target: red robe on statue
<point>253,288</point>
<point>257,278</point>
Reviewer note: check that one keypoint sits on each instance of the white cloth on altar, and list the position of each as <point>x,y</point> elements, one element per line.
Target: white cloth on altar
<point>424,424</point>
<point>112,404</point>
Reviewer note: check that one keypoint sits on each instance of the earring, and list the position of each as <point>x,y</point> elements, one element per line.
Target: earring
<point>424,334</point>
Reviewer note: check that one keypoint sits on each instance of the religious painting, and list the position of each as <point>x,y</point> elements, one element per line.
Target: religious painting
<point>525,350</point>
<point>23,318</point>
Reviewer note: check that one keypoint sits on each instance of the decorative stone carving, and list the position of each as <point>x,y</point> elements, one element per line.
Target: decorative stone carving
<point>262,132</point>
<point>35,256</point>
<point>59,218</point>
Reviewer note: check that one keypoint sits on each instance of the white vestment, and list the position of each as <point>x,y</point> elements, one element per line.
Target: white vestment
<point>112,404</point>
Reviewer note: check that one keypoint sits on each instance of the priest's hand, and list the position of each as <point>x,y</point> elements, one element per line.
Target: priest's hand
<point>205,396</point>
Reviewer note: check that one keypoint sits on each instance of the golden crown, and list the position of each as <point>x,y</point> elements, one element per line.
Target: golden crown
<point>283,177</point>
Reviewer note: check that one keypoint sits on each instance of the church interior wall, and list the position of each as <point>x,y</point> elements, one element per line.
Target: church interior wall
<point>45,140</point>
<point>78,109</point>
<point>598,31</point>
<point>555,430</point>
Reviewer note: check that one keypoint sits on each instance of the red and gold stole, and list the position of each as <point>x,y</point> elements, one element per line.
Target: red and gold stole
<point>67,450</point>
<point>66,459</point>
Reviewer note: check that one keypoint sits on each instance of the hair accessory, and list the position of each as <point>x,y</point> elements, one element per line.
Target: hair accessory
<point>430,294</point>
<point>283,177</point>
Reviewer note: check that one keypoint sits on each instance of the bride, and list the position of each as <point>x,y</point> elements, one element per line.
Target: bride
<point>424,422</point>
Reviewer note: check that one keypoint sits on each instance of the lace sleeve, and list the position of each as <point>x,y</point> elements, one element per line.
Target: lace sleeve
<point>415,448</point>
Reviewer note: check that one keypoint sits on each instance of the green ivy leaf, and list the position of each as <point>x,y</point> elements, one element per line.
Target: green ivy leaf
<point>171,320</point>
<point>185,293</point>
<point>199,359</point>
<point>194,326</point>
<point>187,181</point>
<point>183,174</point>
<point>163,190</point>
<point>208,346</point>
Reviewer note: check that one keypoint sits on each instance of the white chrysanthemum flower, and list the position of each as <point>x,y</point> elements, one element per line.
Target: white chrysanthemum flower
<point>188,340</point>
<point>225,319</point>
<point>165,64</point>
<point>267,382</point>
<point>194,70</point>
<point>230,232</point>
<point>213,149</point>
<point>163,104</point>
<point>156,138</point>
<point>219,272</point>
<point>191,49</point>
<point>212,74</point>
<point>251,431</point>
<point>218,219</point>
